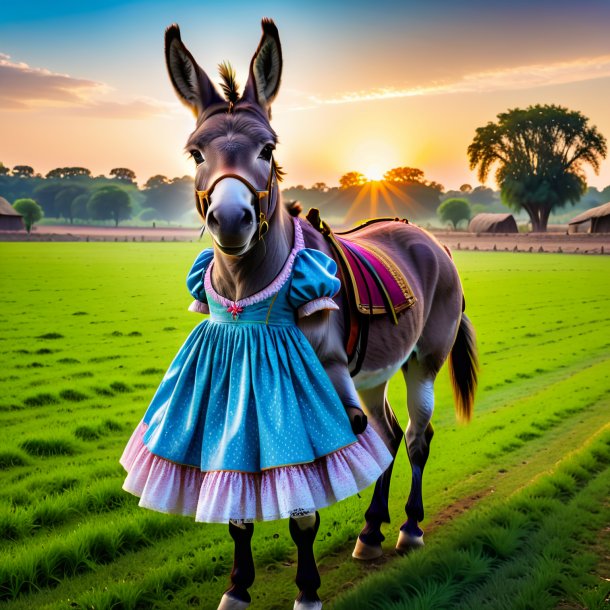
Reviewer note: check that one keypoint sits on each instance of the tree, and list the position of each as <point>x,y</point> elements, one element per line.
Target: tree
<point>320,186</point>
<point>454,210</point>
<point>540,154</point>
<point>122,173</point>
<point>79,207</point>
<point>465,188</point>
<point>68,172</point>
<point>4,171</point>
<point>404,175</point>
<point>110,202</point>
<point>481,194</point>
<point>170,199</point>
<point>352,179</point>
<point>64,201</point>
<point>437,186</point>
<point>156,181</point>
<point>23,171</point>
<point>30,211</point>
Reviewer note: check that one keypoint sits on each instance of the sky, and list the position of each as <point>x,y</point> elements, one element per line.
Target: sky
<point>366,86</point>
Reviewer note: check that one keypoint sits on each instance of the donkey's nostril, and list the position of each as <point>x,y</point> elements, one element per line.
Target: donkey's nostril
<point>211,220</point>
<point>247,218</point>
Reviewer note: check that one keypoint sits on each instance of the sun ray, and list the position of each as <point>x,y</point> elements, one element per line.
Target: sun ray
<point>357,201</point>
<point>384,193</point>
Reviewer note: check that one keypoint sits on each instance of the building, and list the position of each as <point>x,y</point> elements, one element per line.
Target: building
<point>493,223</point>
<point>595,220</point>
<point>10,220</point>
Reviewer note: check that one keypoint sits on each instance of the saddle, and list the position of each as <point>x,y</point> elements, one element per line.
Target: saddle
<point>373,283</point>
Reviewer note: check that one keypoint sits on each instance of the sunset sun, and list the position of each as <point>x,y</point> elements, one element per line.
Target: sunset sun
<point>374,172</point>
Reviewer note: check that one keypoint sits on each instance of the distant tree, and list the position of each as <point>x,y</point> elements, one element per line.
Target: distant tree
<point>482,194</point>
<point>352,179</point>
<point>156,181</point>
<point>454,210</point>
<point>64,201</point>
<point>465,188</point>
<point>122,173</point>
<point>436,186</point>
<point>404,175</point>
<point>4,171</point>
<point>170,198</point>
<point>320,186</point>
<point>30,211</point>
<point>68,172</point>
<point>23,171</point>
<point>45,194</point>
<point>110,202</point>
<point>148,214</point>
<point>79,207</point>
<point>540,153</point>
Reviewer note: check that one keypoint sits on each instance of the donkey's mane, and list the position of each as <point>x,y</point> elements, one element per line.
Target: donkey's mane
<point>229,84</point>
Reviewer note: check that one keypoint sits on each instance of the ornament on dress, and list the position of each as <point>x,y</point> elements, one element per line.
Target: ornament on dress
<point>235,310</point>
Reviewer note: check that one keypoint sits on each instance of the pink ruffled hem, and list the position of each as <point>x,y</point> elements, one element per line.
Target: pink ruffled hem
<point>316,305</point>
<point>278,493</point>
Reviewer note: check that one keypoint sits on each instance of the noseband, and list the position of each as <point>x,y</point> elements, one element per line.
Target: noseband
<point>259,197</point>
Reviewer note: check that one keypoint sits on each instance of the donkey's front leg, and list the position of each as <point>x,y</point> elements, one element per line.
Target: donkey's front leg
<point>303,530</point>
<point>242,576</point>
<point>326,339</point>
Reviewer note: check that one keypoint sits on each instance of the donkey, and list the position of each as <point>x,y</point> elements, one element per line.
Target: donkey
<point>237,194</point>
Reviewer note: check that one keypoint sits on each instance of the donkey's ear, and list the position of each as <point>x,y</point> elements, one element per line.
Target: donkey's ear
<point>265,68</point>
<point>191,83</point>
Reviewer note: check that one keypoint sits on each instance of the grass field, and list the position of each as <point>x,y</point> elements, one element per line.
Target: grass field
<point>516,502</point>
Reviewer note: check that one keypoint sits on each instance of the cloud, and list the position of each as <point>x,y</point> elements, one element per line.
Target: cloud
<point>25,88</point>
<point>507,79</point>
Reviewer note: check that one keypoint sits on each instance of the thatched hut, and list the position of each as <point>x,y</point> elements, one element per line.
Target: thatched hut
<point>493,223</point>
<point>595,220</point>
<point>10,219</point>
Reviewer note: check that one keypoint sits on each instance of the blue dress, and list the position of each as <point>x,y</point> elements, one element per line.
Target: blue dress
<point>246,424</point>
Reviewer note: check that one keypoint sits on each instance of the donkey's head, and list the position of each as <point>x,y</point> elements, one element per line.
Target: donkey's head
<point>233,142</point>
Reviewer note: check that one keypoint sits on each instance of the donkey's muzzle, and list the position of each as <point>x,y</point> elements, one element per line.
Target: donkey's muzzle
<point>231,226</point>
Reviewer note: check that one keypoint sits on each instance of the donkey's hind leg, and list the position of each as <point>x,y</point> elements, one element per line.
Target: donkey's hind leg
<point>420,403</point>
<point>382,418</point>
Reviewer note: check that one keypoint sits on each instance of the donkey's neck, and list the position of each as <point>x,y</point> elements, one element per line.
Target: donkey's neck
<point>236,277</point>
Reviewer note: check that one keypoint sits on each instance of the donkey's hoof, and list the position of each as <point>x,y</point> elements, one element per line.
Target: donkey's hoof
<point>408,542</point>
<point>305,605</point>
<point>366,552</point>
<point>232,603</point>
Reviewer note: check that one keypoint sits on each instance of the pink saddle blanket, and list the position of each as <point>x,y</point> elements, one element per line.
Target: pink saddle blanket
<point>379,286</point>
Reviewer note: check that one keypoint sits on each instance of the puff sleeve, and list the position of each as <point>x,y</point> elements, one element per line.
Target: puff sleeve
<point>194,281</point>
<point>313,282</point>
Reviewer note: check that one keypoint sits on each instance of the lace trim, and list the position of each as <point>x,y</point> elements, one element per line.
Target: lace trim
<point>199,307</point>
<point>323,303</point>
<point>272,288</point>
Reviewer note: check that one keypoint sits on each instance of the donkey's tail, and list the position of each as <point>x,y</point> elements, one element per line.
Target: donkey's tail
<point>464,368</point>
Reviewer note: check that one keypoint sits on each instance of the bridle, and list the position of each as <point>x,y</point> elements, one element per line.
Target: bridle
<point>261,211</point>
<point>259,196</point>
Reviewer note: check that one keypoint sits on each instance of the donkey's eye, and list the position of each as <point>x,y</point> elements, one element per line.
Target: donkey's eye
<point>266,152</point>
<point>197,156</point>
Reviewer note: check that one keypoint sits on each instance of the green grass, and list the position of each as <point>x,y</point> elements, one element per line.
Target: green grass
<point>89,329</point>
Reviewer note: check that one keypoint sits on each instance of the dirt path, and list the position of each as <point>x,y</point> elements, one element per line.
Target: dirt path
<point>584,243</point>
